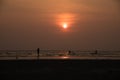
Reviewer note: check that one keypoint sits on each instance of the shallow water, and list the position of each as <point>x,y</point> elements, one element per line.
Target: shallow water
<point>58,54</point>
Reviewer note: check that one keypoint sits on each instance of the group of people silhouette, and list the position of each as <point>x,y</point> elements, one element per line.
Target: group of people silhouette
<point>69,52</point>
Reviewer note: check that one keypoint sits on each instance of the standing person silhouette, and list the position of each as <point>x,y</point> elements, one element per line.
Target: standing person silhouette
<point>38,51</point>
<point>69,52</point>
<point>96,51</point>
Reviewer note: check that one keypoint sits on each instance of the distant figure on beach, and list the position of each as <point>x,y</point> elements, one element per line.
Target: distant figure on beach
<point>69,52</point>
<point>38,51</point>
<point>96,52</point>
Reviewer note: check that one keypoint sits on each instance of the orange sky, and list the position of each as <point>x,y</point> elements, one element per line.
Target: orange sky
<point>27,24</point>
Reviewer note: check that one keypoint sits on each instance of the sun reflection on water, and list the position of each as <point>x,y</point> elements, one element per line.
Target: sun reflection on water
<point>65,57</point>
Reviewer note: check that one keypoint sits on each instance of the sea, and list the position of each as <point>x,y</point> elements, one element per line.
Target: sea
<point>57,54</point>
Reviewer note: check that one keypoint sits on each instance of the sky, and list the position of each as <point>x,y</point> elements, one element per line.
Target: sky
<point>29,24</point>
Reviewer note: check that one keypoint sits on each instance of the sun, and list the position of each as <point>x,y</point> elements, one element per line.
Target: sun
<point>65,26</point>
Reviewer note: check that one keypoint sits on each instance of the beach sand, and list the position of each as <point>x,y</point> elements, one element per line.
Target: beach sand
<point>59,69</point>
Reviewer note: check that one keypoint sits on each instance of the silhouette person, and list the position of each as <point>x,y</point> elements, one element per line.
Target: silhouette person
<point>38,51</point>
<point>69,51</point>
<point>96,52</point>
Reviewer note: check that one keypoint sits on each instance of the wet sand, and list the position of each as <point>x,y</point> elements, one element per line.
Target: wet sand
<point>70,69</point>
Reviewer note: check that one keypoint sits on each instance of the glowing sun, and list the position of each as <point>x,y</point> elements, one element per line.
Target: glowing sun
<point>65,26</point>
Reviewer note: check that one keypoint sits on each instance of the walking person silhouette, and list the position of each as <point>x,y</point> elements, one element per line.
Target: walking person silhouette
<point>38,51</point>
